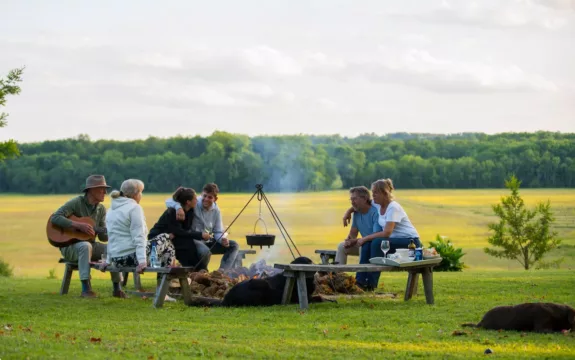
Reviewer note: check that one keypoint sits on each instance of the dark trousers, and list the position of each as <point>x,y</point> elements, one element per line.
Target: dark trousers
<point>186,252</point>
<point>372,249</point>
<point>206,249</point>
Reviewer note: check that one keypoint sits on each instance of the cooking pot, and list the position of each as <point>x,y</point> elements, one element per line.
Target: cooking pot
<point>260,240</point>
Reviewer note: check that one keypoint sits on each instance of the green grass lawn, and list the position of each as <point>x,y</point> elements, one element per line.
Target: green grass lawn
<point>46,325</point>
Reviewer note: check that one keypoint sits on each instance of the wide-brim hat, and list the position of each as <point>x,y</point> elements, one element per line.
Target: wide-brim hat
<point>95,181</point>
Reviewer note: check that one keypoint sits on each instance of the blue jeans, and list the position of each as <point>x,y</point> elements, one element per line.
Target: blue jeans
<point>228,260</point>
<point>372,249</point>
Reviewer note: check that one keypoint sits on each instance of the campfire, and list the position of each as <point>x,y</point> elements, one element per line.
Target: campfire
<point>336,283</point>
<point>259,269</point>
<point>215,284</point>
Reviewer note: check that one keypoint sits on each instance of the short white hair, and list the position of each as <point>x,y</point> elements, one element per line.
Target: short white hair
<point>129,188</point>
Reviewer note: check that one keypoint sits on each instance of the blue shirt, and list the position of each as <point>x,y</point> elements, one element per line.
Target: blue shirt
<point>366,223</point>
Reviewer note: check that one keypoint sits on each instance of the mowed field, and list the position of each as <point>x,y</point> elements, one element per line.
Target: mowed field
<point>312,219</point>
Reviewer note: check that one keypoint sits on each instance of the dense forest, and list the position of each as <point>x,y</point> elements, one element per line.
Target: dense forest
<point>296,163</point>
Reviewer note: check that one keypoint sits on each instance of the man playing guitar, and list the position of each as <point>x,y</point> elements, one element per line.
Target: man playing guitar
<point>82,252</point>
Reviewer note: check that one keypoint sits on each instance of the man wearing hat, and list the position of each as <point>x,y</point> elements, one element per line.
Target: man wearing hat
<point>82,252</point>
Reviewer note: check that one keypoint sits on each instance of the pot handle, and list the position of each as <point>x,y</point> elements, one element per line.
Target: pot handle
<point>262,220</point>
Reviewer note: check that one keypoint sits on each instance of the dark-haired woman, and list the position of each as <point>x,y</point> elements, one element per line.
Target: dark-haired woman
<point>183,235</point>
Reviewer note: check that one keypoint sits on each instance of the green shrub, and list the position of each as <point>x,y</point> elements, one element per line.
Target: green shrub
<point>5,269</point>
<point>450,255</point>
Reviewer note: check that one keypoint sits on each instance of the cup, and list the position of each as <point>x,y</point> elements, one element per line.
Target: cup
<point>402,253</point>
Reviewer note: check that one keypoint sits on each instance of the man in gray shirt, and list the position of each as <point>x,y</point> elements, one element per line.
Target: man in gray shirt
<point>207,218</point>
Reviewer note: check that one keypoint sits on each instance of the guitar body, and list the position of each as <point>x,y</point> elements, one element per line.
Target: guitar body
<point>60,237</point>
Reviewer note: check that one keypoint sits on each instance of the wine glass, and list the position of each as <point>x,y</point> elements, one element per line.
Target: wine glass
<point>385,246</point>
<point>209,228</point>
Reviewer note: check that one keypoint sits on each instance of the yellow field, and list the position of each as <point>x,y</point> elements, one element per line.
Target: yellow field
<point>312,219</point>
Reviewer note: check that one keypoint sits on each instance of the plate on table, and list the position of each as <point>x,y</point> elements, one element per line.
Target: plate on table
<point>403,263</point>
<point>390,262</point>
<point>431,257</point>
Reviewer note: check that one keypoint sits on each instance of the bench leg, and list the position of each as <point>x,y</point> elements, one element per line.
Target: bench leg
<point>411,285</point>
<point>125,276</point>
<point>66,279</point>
<point>137,282</point>
<point>161,292</point>
<point>238,263</point>
<point>186,291</point>
<point>288,288</point>
<point>427,276</point>
<point>302,290</point>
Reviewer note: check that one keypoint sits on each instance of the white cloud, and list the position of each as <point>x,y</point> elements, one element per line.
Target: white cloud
<point>327,104</point>
<point>546,14</point>
<point>319,61</point>
<point>247,77</point>
<point>191,96</point>
<point>265,58</point>
<point>420,68</point>
<point>157,60</point>
<point>558,4</point>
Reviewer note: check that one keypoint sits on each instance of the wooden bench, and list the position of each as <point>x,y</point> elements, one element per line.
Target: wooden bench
<point>138,282</point>
<point>326,256</point>
<point>181,273</point>
<point>299,272</point>
<point>241,256</point>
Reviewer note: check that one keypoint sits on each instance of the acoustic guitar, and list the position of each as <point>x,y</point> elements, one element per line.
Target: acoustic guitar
<point>60,237</point>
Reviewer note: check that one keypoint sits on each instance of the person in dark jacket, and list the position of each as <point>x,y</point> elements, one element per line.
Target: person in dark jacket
<point>184,236</point>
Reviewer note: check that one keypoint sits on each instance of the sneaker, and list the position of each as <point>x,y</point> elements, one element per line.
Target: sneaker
<point>88,294</point>
<point>169,299</point>
<point>120,294</point>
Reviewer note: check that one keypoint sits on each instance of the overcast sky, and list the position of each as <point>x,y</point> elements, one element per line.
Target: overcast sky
<point>130,69</point>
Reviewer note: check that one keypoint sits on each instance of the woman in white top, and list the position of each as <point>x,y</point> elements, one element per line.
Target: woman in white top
<point>128,244</point>
<point>392,218</point>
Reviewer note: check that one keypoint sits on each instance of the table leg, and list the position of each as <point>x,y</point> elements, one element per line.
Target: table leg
<point>416,286</point>
<point>288,288</point>
<point>161,292</point>
<point>138,282</point>
<point>411,284</point>
<point>302,290</point>
<point>186,291</point>
<point>427,276</point>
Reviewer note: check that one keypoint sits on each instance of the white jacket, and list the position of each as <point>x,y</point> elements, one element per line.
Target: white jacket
<point>127,230</point>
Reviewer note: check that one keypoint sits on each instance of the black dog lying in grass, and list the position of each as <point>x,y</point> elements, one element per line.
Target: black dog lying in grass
<point>538,317</point>
<point>261,292</point>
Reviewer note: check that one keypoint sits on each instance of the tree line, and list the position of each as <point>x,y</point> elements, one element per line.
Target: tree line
<point>296,163</point>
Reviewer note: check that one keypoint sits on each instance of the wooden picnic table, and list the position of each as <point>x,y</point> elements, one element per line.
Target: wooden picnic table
<point>298,273</point>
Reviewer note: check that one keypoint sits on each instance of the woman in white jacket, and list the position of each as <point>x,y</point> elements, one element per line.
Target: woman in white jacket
<point>128,243</point>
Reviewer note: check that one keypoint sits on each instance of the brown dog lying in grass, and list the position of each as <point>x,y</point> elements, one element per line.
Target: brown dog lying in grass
<point>538,317</point>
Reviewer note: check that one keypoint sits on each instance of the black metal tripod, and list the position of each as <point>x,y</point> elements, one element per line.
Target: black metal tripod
<point>262,196</point>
